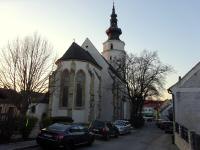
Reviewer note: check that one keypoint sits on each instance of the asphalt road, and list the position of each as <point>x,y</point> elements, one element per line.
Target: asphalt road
<point>148,138</point>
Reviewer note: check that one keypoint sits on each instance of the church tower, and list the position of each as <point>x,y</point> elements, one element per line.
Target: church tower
<point>113,47</point>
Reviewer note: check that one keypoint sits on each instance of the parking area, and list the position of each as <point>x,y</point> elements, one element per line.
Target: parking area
<point>148,138</point>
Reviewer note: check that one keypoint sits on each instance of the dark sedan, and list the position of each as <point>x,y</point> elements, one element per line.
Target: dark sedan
<point>64,136</point>
<point>104,129</point>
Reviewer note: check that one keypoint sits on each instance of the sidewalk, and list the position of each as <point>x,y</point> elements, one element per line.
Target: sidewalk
<point>18,145</point>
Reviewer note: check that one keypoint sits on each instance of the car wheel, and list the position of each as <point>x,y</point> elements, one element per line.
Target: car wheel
<point>90,142</point>
<point>43,147</point>
<point>116,134</point>
<point>69,146</point>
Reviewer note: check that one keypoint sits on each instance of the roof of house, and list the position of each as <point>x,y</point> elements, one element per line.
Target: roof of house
<point>76,52</point>
<point>40,97</point>
<point>8,96</point>
<point>185,77</point>
<point>153,103</point>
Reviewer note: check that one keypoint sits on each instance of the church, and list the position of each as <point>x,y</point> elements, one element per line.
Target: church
<point>86,85</point>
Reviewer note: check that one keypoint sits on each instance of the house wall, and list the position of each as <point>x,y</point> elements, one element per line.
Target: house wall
<point>165,113</point>
<point>187,110</point>
<point>40,109</point>
<point>5,108</point>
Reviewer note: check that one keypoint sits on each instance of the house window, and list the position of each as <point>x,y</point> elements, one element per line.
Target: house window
<point>80,89</point>
<point>33,109</point>
<point>111,46</point>
<point>64,88</point>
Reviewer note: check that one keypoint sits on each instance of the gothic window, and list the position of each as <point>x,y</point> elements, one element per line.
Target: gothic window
<point>111,46</point>
<point>80,89</point>
<point>64,88</point>
<point>11,111</point>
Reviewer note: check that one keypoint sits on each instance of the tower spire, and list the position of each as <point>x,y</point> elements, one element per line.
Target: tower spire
<point>113,9</point>
<point>113,31</point>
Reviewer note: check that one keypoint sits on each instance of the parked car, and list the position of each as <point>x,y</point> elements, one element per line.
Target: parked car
<point>103,129</point>
<point>164,123</point>
<point>159,122</point>
<point>123,126</point>
<point>168,127</point>
<point>60,135</point>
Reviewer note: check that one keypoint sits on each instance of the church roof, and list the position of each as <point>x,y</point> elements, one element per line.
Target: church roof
<point>75,52</point>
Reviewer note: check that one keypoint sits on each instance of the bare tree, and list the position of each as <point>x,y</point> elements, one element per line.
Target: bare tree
<point>25,67</point>
<point>145,76</point>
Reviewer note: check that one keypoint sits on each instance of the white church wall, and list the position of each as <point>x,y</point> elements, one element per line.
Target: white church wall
<point>96,97</point>
<point>56,110</point>
<point>78,114</point>
<point>119,45</point>
<point>107,97</point>
<point>88,46</point>
<point>106,85</point>
<point>107,81</point>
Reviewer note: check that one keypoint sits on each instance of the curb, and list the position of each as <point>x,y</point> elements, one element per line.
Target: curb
<point>27,147</point>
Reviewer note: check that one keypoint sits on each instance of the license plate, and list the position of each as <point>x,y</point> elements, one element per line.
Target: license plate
<point>95,130</point>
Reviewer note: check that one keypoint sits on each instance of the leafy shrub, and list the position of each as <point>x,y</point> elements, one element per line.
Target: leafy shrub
<point>28,124</point>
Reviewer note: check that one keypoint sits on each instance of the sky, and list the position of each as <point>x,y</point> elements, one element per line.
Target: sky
<point>170,27</point>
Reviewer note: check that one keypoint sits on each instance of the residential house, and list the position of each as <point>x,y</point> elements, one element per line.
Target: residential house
<point>186,102</point>
<point>8,102</point>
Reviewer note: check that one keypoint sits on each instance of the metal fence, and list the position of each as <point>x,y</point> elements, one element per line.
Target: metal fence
<point>195,141</point>
<point>189,136</point>
<point>184,133</point>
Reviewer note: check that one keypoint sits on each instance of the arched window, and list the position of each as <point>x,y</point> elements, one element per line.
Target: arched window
<point>64,88</point>
<point>80,89</point>
<point>111,46</point>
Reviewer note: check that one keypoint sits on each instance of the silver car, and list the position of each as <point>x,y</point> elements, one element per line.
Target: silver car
<point>123,126</point>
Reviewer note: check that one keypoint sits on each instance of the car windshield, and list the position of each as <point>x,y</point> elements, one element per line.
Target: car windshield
<point>58,127</point>
<point>119,122</point>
